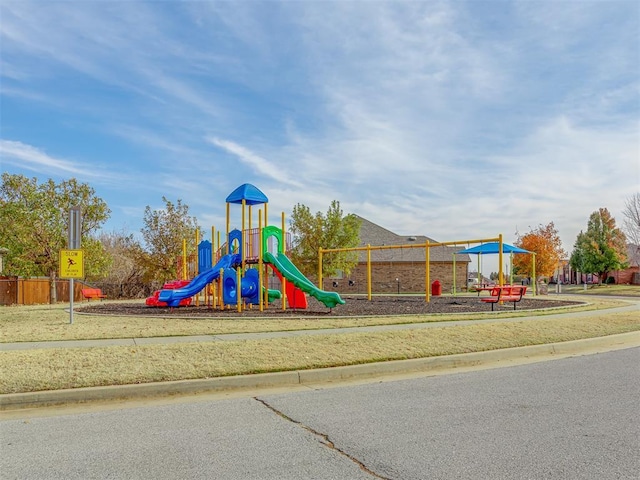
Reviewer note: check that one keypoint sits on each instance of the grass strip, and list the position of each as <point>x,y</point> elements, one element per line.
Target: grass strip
<point>52,369</point>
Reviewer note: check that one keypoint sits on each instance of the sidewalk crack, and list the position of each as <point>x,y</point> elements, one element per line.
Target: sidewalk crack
<point>324,439</point>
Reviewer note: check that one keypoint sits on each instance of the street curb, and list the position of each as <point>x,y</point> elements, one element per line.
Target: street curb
<point>14,401</point>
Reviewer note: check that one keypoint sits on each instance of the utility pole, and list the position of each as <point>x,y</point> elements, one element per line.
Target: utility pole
<point>75,236</point>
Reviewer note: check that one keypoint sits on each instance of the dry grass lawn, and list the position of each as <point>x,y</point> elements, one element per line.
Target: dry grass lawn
<point>604,289</point>
<point>35,370</point>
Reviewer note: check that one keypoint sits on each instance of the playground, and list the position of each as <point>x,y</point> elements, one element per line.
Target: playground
<point>235,274</point>
<point>249,274</point>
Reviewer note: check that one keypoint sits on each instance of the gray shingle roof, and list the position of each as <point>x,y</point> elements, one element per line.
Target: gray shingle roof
<point>375,235</point>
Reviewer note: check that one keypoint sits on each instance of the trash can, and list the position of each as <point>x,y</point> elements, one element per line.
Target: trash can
<point>436,288</point>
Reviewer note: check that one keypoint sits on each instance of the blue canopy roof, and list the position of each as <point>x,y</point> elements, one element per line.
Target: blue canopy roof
<point>250,194</point>
<point>494,247</point>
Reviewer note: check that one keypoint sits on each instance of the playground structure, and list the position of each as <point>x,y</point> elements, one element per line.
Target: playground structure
<point>236,273</point>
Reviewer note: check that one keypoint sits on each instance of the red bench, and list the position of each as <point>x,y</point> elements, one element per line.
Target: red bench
<point>94,293</point>
<point>505,293</point>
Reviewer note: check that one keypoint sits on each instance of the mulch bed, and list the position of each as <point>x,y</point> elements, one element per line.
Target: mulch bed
<point>354,307</point>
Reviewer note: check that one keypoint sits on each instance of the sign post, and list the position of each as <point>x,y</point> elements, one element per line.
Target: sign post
<point>72,260</point>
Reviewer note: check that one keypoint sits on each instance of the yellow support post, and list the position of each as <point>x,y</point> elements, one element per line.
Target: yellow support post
<point>500,259</point>
<point>266,276</point>
<point>284,280</point>
<point>369,281</point>
<point>228,227</point>
<point>428,267</point>
<point>184,259</point>
<point>510,268</point>
<point>220,287</point>
<point>239,289</point>
<point>249,239</point>
<point>320,269</point>
<point>260,266</point>
<point>453,255</point>
<point>213,246</point>
<point>214,298</point>
<point>426,271</point>
<point>197,256</point>
<point>284,236</point>
<point>197,263</point>
<point>243,245</point>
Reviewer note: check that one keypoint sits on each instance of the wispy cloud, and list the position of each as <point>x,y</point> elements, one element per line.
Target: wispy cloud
<point>22,156</point>
<point>34,159</point>
<point>254,161</point>
<point>413,114</point>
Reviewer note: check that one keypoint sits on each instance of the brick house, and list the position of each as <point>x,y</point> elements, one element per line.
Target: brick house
<point>401,270</point>
<point>631,274</point>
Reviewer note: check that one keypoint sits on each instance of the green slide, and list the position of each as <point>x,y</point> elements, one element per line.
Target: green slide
<point>295,276</point>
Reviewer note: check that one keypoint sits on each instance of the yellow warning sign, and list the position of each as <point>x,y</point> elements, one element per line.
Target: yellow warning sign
<point>71,264</point>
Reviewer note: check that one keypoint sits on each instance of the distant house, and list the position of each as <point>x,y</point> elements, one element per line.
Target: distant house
<point>401,270</point>
<point>631,274</point>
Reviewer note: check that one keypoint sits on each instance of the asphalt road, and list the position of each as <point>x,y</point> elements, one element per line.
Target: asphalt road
<point>575,418</point>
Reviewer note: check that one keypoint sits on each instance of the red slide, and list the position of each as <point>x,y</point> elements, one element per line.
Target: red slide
<point>296,298</point>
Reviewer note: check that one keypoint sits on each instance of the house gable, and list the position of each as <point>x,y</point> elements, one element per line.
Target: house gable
<point>376,236</point>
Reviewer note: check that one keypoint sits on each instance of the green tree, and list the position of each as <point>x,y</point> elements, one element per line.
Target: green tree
<point>333,230</point>
<point>35,218</point>
<point>602,248</point>
<point>163,233</point>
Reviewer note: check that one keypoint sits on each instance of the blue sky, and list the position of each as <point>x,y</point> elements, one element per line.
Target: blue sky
<point>454,120</point>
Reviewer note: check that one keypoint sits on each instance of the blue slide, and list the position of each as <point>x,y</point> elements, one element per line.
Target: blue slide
<point>173,297</point>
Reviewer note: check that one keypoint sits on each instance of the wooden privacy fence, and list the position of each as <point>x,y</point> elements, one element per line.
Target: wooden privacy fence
<point>34,291</point>
<point>8,290</point>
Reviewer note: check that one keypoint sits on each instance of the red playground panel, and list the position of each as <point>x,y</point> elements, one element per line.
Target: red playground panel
<point>173,285</point>
<point>296,298</point>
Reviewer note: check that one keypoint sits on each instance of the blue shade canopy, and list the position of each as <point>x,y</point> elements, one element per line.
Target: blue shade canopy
<point>250,194</point>
<point>494,247</point>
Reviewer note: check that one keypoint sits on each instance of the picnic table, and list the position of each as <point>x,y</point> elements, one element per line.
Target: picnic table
<point>484,287</point>
<point>505,293</point>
